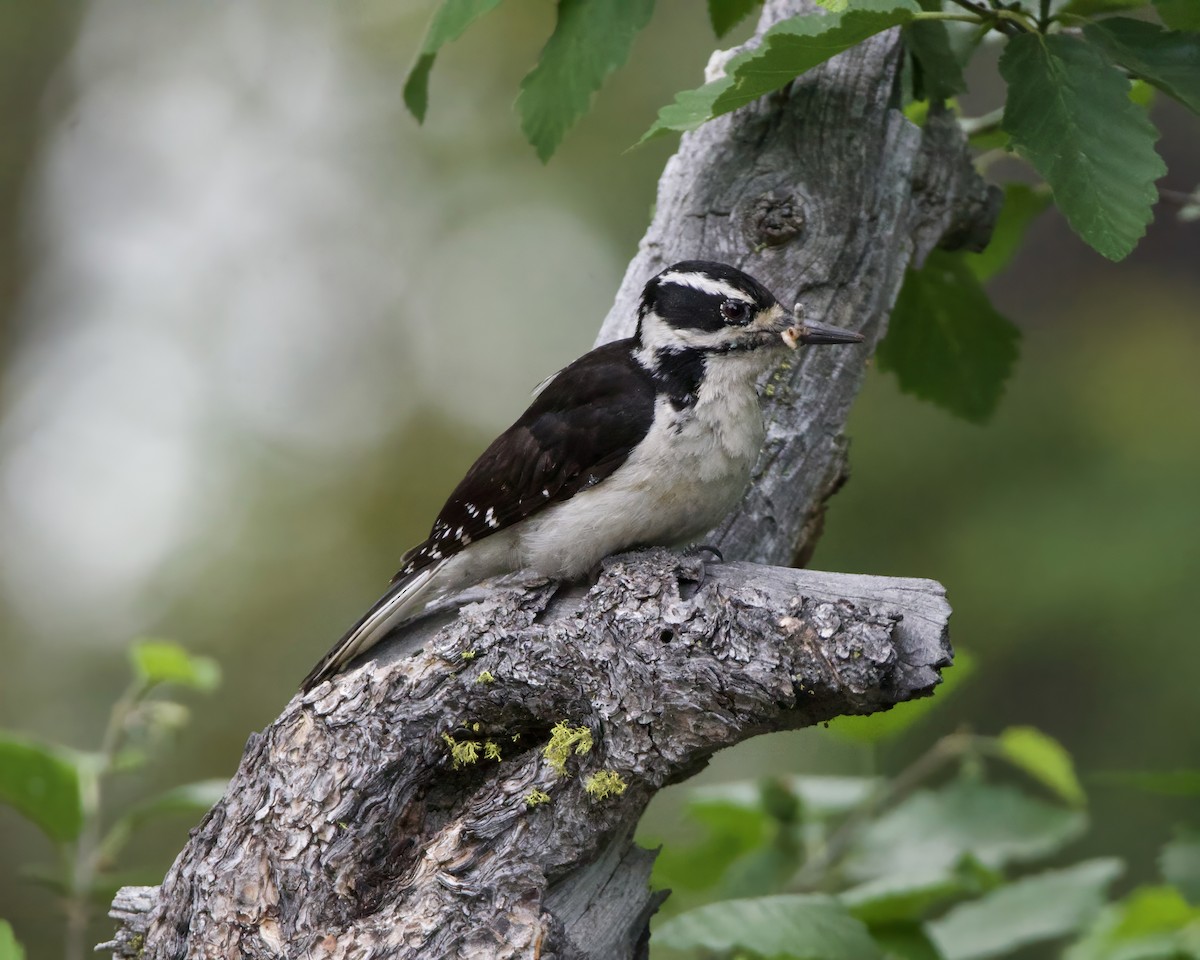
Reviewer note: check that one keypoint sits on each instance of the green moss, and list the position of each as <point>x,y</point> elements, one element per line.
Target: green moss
<point>468,751</point>
<point>461,751</point>
<point>536,797</point>
<point>563,740</point>
<point>604,784</point>
<point>485,677</point>
<point>467,655</point>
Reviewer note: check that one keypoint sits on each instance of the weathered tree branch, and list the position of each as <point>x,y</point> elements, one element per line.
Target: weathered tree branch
<point>352,830</point>
<point>348,830</point>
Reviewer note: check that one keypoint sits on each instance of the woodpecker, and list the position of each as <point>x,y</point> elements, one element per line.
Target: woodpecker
<point>642,442</point>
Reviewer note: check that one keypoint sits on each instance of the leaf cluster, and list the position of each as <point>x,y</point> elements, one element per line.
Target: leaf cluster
<point>947,860</point>
<point>61,791</point>
<point>1079,78</point>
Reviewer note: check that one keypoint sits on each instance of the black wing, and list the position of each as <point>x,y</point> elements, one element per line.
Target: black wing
<point>578,430</point>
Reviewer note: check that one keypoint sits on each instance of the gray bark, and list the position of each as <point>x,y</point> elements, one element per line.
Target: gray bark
<point>349,830</point>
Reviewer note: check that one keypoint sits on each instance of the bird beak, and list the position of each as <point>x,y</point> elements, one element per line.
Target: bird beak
<point>811,333</point>
<point>822,333</point>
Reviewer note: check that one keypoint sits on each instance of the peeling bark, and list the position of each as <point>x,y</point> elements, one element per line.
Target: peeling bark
<point>358,824</point>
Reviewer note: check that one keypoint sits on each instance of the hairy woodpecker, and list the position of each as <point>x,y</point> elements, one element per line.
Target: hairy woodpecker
<point>641,442</point>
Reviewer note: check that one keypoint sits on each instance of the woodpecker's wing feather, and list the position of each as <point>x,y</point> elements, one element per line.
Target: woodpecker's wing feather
<point>577,431</point>
<point>392,608</point>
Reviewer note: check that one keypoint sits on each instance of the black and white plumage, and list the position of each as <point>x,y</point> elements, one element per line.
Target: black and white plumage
<point>641,442</point>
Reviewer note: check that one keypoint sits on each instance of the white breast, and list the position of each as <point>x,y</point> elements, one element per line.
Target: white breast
<point>691,469</point>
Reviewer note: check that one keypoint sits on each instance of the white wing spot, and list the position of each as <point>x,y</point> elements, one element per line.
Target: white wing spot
<point>545,492</point>
<point>491,518</point>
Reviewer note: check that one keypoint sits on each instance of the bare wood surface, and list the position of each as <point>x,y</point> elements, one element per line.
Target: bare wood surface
<point>348,831</point>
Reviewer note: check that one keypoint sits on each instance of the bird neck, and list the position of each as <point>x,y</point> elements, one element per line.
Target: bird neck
<point>677,372</point>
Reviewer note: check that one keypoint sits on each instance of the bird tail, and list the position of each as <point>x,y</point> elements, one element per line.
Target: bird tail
<point>401,601</point>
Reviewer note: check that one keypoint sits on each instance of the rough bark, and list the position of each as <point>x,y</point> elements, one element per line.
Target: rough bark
<point>351,829</point>
<point>348,831</point>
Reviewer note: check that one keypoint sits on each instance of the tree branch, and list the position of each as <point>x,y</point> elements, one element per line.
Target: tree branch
<point>349,831</point>
<point>352,828</point>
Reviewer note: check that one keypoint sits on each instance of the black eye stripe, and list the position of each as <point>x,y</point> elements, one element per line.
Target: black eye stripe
<point>684,307</point>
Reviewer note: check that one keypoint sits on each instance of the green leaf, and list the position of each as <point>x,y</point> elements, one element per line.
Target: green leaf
<point>1179,863</point>
<point>787,50</point>
<point>1069,114</point>
<point>42,784</point>
<point>1044,759</point>
<point>833,6</point>
<point>820,796</point>
<point>1089,8</point>
<point>945,341</point>
<point>1169,783</point>
<point>877,727</point>
<point>941,73</point>
<point>1142,93</point>
<point>911,895</point>
<point>1168,59</point>
<point>9,948</point>
<point>1042,907</point>
<point>763,871</point>
<point>935,830</point>
<point>1179,14</point>
<point>796,926</point>
<point>724,15</point>
<point>828,796</point>
<point>1152,910</point>
<point>1153,923</point>
<point>1022,205</point>
<point>796,45</point>
<point>190,798</point>
<point>450,19</point>
<point>732,831</point>
<point>160,661</point>
<point>906,941</point>
<point>590,40</point>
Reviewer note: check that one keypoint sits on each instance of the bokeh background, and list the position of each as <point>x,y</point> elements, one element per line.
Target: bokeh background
<point>256,322</point>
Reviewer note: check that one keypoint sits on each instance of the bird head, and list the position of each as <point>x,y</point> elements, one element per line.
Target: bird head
<point>712,308</point>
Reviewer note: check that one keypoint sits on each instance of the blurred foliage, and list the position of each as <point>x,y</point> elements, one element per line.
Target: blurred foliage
<point>917,866</point>
<point>10,949</point>
<point>62,791</point>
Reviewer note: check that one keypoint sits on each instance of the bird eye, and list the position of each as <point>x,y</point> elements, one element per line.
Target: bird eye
<point>734,311</point>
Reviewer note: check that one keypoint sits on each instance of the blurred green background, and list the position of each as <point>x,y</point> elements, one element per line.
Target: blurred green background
<point>256,323</point>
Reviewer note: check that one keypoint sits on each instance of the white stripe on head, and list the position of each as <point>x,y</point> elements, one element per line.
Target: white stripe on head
<point>705,283</point>
<point>656,334</point>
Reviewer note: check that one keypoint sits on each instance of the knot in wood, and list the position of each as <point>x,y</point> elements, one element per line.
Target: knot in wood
<point>774,219</point>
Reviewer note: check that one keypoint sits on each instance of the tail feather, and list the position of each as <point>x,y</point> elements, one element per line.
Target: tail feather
<point>404,599</point>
